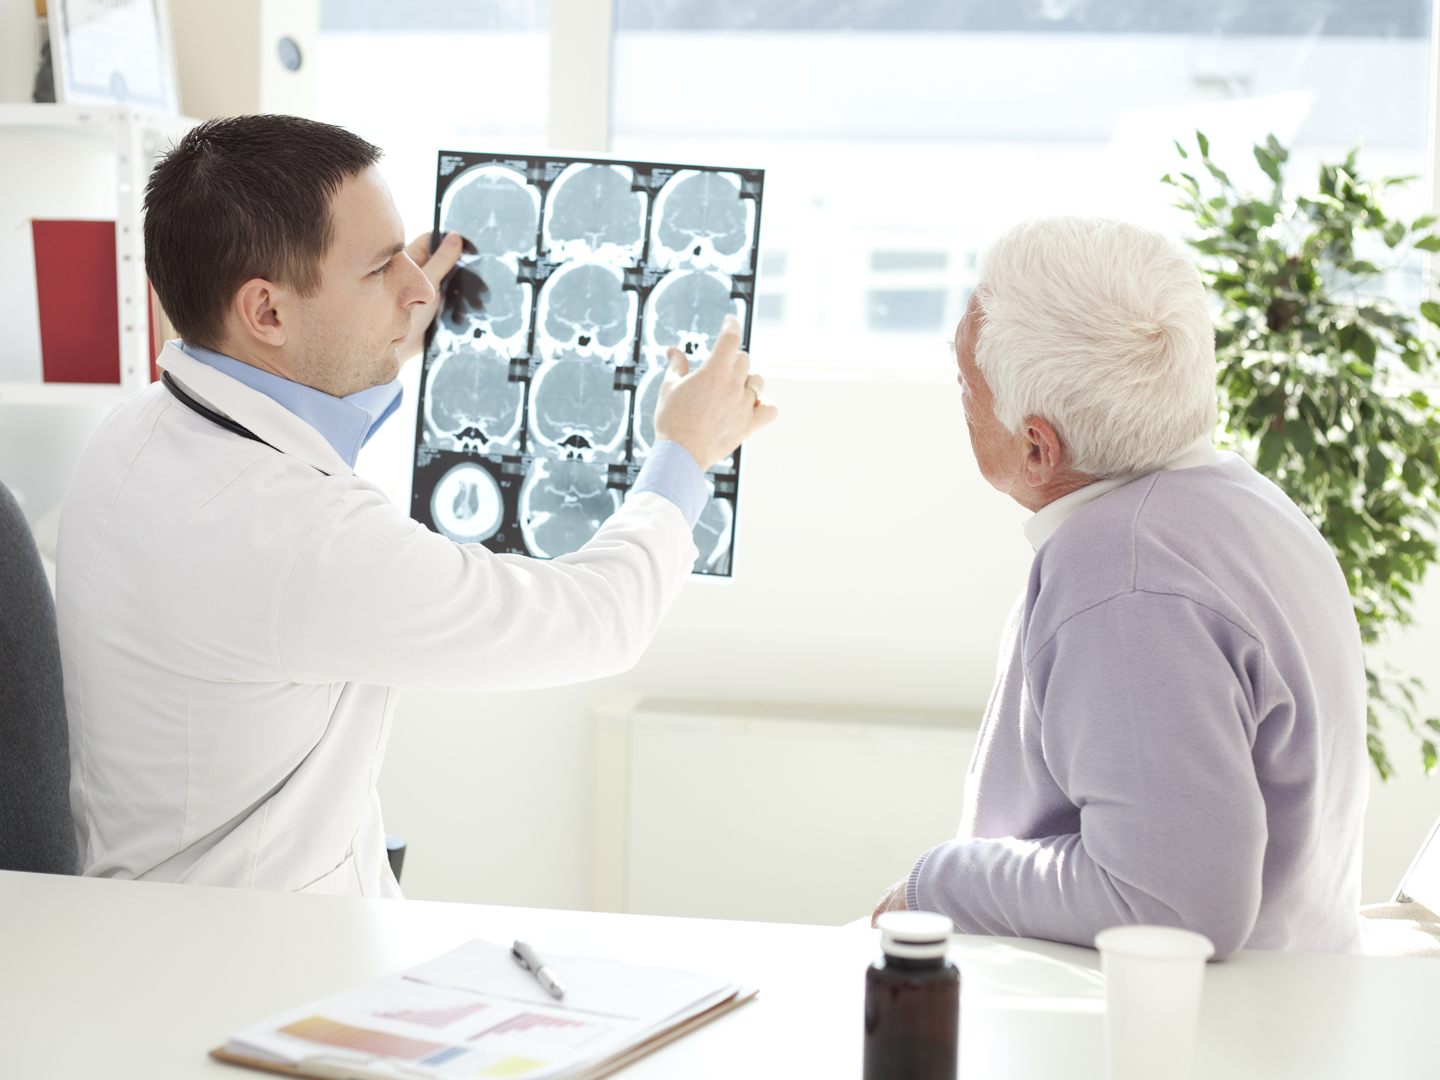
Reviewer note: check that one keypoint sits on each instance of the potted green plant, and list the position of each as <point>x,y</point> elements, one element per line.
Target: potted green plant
<point>1321,379</point>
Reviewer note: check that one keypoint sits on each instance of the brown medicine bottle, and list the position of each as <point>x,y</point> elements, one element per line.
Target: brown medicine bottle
<point>912,1001</point>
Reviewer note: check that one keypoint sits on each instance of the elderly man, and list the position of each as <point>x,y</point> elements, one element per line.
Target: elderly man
<point>1177,730</point>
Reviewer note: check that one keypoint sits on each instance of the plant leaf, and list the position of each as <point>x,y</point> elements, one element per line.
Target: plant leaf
<point>1306,354</point>
<point>1272,448</point>
<point>1269,164</point>
<point>1218,173</point>
<point>1302,437</point>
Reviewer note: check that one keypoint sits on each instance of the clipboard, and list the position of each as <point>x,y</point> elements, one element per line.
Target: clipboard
<point>333,1067</point>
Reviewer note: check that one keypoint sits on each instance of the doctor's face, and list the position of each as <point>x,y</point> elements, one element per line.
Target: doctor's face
<point>349,332</point>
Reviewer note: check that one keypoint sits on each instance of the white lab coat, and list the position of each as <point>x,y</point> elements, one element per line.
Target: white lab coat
<point>235,619</point>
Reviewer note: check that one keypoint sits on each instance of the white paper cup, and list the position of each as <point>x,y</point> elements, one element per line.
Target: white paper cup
<point>1153,978</point>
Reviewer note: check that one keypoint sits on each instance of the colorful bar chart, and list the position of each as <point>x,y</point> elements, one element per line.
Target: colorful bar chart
<point>435,1018</point>
<point>327,1032</point>
<point>528,1022</point>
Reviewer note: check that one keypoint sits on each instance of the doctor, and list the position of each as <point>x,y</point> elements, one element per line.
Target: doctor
<point>237,608</point>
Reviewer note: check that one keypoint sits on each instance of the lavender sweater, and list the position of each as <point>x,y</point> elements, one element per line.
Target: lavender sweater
<point>1177,730</point>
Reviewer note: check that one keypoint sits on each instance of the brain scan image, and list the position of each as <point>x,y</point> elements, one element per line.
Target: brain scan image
<point>576,412</point>
<point>584,309</point>
<point>701,221</point>
<point>484,301</point>
<point>712,536</point>
<point>686,309</point>
<point>466,505</point>
<point>563,504</point>
<point>471,402</point>
<point>493,208</point>
<point>578,274</point>
<point>593,213</point>
<point>646,397</point>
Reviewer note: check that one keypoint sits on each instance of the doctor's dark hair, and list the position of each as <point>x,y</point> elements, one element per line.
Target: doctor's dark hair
<point>242,198</point>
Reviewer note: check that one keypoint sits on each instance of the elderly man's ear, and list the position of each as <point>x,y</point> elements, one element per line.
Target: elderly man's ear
<point>1046,469</point>
<point>1045,456</point>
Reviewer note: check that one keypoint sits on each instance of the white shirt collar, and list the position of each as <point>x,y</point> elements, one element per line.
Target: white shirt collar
<point>1051,516</point>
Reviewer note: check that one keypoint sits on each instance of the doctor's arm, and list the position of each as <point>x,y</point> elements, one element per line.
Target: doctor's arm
<point>375,597</point>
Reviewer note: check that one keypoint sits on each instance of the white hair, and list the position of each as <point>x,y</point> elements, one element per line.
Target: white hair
<point>1102,329</point>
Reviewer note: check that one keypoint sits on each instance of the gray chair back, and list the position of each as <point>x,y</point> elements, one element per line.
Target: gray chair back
<point>37,832</point>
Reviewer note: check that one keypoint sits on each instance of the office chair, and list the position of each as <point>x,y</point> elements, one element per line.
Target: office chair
<point>37,832</point>
<point>395,852</point>
<point>1408,925</point>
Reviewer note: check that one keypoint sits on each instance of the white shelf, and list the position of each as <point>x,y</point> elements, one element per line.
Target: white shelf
<point>93,124</point>
<point>69,124</point>
<point>42,393</point>
<point>90,126</point>
<point>135,138</point>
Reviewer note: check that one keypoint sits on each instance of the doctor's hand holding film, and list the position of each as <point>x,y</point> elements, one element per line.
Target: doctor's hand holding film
<point>713,409</point>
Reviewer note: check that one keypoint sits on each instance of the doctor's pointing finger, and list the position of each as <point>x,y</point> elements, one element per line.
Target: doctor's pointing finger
<point>710,411</point>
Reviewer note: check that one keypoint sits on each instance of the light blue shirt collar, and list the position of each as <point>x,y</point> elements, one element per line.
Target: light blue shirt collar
<point>346,423</point>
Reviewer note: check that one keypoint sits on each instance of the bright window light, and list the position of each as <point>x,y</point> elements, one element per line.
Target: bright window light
<point>900,136</point>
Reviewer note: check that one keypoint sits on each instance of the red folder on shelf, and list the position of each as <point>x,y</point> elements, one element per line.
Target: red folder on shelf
<point>79,308</point>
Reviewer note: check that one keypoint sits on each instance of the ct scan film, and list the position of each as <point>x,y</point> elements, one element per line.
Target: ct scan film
<point>537,398</point>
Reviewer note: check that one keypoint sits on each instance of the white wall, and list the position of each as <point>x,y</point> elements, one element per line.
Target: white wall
<point>851,567</point>
<point>18,28</point>
<point>876,578</point>
<point>805,818</point>
<point>227,57</point>
<point>865,576</point>
<point>863,579</point>
<point>493,790</point>
<point>39,447</point>
<point>1401,811</point>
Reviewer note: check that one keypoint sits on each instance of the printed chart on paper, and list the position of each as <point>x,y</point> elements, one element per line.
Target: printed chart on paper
<point>537,397</point>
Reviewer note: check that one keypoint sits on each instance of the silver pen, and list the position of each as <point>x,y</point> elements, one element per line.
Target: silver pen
<point>526,957</point>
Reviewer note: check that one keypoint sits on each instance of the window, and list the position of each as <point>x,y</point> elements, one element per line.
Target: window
<point>419,76</point>
<point>900,136</point>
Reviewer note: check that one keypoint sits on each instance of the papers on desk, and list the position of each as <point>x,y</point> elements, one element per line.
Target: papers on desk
<point>473,1012</point>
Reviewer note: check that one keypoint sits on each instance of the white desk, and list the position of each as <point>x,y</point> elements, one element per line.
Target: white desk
<point>120,979</point>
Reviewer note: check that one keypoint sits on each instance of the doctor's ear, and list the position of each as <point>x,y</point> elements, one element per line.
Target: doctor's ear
<point>257,313</point>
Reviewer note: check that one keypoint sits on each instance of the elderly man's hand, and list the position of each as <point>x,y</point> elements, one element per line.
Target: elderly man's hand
<point>893,900</point>
<point>712,410</point>
<point>435,267</point>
